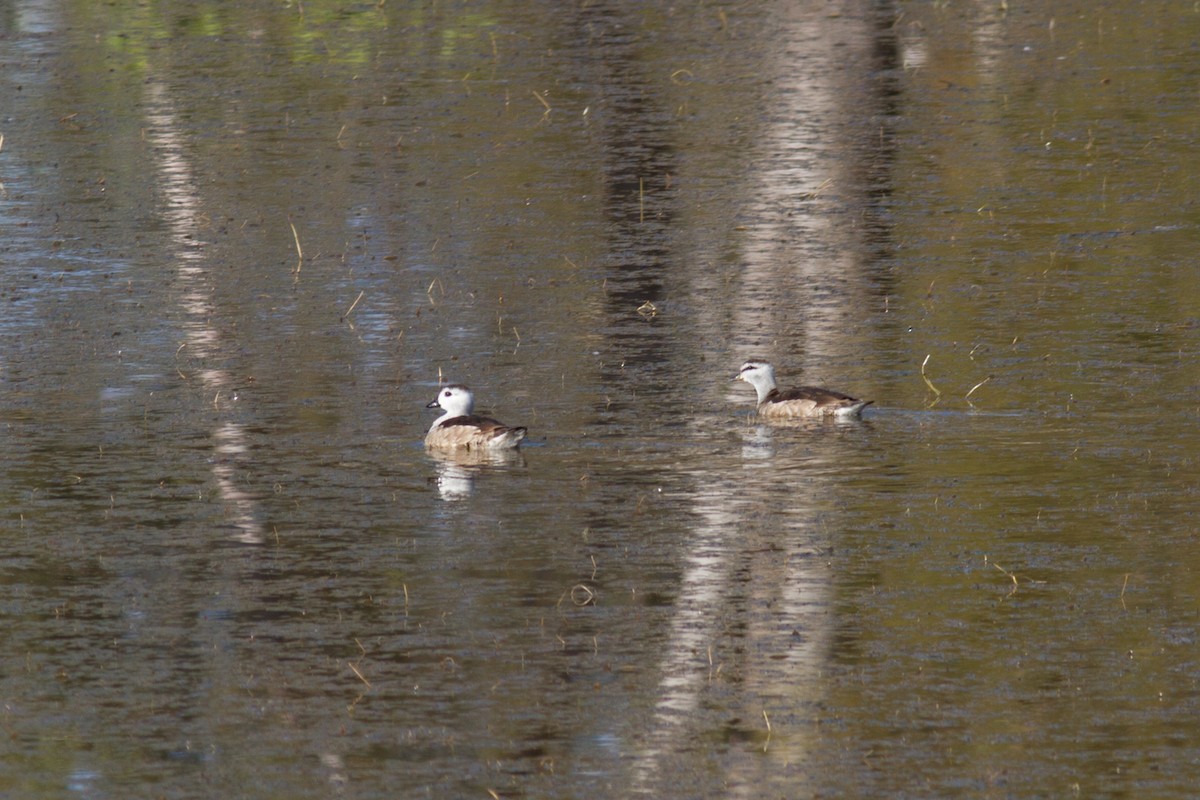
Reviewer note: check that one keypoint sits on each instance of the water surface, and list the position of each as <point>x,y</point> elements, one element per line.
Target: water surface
<point>244,245</point>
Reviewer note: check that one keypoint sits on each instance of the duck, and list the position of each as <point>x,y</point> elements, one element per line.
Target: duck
<point>459,429</point>
<point>801,402</point>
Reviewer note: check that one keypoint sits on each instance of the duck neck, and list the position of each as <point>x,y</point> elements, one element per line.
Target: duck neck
<point>764,388</point>
<point>445,416</point>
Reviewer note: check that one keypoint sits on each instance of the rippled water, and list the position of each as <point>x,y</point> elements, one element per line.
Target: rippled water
<point>244,245</point>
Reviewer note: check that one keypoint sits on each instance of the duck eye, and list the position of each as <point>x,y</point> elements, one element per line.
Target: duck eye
<point>446,393</point>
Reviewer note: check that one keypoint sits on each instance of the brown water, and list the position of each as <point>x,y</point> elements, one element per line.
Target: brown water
<point>243,243</point>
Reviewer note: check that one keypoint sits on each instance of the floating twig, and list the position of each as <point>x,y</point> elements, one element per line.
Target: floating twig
<point>299,250</point>
<point>429,292</point>
<point>815,193</point>
<point>1010,575</point>
<point>976,386</point>
<point>355,303</point>
<point>928,382</point>
<point>361,677</point>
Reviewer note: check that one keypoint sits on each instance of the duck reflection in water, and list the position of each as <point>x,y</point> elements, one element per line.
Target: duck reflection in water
<point>457,469</point>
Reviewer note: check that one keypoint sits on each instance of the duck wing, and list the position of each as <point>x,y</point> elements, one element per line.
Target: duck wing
<point>813,394</point>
